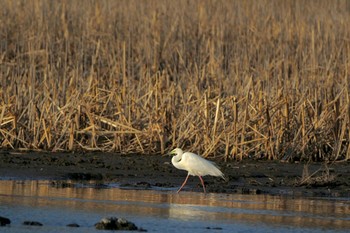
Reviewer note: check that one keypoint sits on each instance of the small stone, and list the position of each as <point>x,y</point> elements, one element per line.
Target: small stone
<point>4,221</point>
<point>214,228</point>
<point>73,225</point>
<point>32,223</point>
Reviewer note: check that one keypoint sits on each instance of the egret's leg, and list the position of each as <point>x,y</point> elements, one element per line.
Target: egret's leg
<point>202,183</point>
<point>183,183</point>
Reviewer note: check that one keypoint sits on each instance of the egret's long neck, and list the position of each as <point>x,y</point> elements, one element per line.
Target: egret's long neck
<point>176,159</point>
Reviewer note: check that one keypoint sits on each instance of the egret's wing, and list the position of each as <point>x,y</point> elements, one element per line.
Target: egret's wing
<point>198,166</point>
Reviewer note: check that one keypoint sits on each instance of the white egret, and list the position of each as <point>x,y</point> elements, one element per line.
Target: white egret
<point>195,165</point>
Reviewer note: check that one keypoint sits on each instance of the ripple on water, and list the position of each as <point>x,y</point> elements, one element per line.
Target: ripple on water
<point>164,210</point>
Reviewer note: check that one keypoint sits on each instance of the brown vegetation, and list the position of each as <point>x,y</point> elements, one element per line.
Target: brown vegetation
<point>230,78</point>
<point>316,179</point>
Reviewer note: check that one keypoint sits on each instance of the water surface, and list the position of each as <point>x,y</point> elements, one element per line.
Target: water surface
<point>164,210</point>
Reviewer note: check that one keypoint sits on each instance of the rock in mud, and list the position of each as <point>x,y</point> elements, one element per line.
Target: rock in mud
<point>62,184</point>
<point>73,225</point>
<point>4,221</point>
<point>138,185</point>
<point>32,223</point>
<point>213,228</point>
<point>113,223</point>
<point>84,176</point>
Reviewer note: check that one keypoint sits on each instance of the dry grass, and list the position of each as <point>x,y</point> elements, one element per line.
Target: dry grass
<point>316,179</point>
<point>224,78</point>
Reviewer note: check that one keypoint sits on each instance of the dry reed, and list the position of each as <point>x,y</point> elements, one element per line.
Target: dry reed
<point>232,79</point>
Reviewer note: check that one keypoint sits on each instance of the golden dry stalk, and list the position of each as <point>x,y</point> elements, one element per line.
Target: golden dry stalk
<point>233,79</point>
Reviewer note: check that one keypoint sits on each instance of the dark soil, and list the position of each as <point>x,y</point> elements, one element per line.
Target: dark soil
<point>157,172</point>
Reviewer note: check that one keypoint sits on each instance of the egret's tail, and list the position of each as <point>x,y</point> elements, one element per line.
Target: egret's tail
<point>217,172</point>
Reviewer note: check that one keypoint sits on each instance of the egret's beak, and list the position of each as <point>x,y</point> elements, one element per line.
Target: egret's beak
<point>171,153</point>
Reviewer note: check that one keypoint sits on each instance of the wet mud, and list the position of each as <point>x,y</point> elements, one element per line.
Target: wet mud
<point>157,172</point>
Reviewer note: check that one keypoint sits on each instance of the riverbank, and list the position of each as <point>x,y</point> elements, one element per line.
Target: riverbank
<point>157,172</point>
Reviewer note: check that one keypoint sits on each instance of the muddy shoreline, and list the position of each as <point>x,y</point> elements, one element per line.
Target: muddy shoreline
<point>157,172</point>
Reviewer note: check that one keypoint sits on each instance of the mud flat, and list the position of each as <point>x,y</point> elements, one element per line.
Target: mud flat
<point>157,172</point>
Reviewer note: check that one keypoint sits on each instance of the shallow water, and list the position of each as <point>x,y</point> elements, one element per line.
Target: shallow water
<point>164,210</point>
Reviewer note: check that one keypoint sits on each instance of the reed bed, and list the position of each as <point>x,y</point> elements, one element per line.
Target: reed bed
<point>228,79</point>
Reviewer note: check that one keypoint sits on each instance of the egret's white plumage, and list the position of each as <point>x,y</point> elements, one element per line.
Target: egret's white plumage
<point>195,165</point>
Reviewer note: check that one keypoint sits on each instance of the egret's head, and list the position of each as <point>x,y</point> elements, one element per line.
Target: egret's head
<point>176,151</point>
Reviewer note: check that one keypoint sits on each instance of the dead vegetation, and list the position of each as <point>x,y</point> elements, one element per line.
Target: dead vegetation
<point>233,79</point>
<point>319,178</point>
